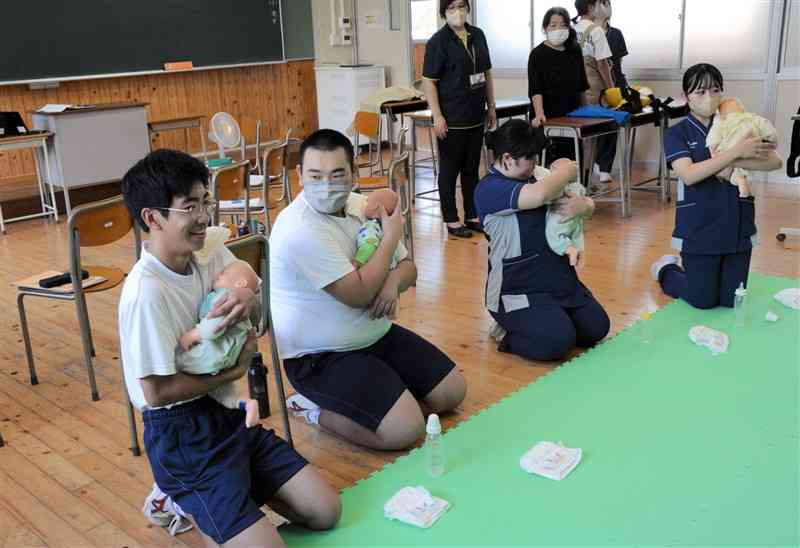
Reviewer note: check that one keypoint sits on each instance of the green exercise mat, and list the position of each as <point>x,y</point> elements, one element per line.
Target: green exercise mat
<point>679,447</point>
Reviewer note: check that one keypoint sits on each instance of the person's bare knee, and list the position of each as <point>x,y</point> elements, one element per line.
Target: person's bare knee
<point>261,533</point>
<point>312,499</point>
<point>403,425</point>
<point>448,394</point>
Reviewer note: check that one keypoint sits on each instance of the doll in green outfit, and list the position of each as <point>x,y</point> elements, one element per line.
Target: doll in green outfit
<point>370,234</point>
<point>207,350</point>
<point>564,238</point>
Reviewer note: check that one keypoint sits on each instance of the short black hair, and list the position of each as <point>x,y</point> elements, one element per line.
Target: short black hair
<point>703,76</point>
<point>327,140</point>
<point>582,6</point>
<point>517,138</point>
<point>444,4</point>
<point>158,178</point>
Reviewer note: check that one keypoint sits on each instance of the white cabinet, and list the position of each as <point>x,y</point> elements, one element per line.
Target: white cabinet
<point>340,90</point>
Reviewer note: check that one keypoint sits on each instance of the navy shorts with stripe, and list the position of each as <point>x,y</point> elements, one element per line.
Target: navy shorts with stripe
<point>217,470</point>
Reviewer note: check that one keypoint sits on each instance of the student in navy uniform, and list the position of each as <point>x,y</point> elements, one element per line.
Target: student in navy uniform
<point>714,226</point>
<point>607,147</point>
<point>458,83</point>
<point>541,308</point>
<point>556,77</point>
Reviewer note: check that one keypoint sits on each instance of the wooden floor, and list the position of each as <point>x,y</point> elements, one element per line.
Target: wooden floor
<point>66,475</point>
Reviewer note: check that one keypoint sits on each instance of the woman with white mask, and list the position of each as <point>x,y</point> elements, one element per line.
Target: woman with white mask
<point>556,77</point>
<point>458,85</point>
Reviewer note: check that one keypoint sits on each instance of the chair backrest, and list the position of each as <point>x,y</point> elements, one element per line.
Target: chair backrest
<point>231,182</point>
<point>95,224</point>
<point>251,133</point>
<point>368,124</point>
<point>399,180</point>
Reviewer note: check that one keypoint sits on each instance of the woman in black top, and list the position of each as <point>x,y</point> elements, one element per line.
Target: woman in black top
<point>458,83</point>
<point>556,77</point>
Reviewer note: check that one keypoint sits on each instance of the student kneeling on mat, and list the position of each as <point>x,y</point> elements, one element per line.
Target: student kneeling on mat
<point>714,226</point>
<point>542,309</point>
<point>357,374</point>
<point>201,454</point>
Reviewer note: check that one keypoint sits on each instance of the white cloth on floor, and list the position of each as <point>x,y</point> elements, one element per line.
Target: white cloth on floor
<point>415,506</point>
<point>789,297</point>
<point>550,460</point>
<point>771,316</point>
<point>714,340</point>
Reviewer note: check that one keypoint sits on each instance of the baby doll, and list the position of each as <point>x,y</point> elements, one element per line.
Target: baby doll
<point>563,238</point>
<point>370,234</point>
<point>208,351</point>
<point>731,126</point>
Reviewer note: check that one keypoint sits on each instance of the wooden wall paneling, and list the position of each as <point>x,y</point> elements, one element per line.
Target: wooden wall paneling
<point>280,95</point>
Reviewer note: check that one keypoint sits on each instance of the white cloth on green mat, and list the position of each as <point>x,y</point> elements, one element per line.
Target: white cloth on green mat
<point>714,340</point>
<point>415,506</point>
<point>550,460</point>
<point>789,297</point>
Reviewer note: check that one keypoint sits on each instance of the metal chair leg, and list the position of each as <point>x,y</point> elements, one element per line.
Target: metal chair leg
<point>89,323</point>
<point>2,443</point>
<point>277,368</point>
<point>131,419</point>
<point>23,321</point>
<point>86,339</point>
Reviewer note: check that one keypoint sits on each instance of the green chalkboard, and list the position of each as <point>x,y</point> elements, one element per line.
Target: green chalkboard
<point>57,39</point>
<point>298,29</point>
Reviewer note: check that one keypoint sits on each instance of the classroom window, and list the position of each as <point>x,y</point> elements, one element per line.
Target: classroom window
<point>506,24</point>
<point>424,19</point>
<point>728,35</point>
<point>654,38</point>
<point>791,48</point>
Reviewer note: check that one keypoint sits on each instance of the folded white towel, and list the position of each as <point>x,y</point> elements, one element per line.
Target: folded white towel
<point>550,460</point>
<point>415,506</point>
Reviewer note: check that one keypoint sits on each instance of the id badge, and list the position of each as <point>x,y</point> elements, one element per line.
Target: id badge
<point>477,80</point>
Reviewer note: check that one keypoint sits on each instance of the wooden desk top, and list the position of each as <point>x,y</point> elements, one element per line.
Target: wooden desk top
<point>17,139</point>
<point>403,107</point>
<point>581,123</point>
<point>93,108</point>
<point>154,123</point>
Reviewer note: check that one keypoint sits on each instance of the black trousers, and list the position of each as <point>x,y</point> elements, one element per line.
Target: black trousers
<point>606,150</point>
<point>459,154</point>
<point>706,281</point>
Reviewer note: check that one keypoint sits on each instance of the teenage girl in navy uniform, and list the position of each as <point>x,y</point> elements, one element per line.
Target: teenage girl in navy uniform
<point>541,309</point>
<point>458,85</point>
<point>714,226</point>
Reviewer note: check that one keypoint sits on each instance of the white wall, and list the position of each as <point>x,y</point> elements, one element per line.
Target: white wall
<point>321,15</point>
<point>382,46</point>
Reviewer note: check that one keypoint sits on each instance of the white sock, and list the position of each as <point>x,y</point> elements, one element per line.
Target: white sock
<point>300,406</point>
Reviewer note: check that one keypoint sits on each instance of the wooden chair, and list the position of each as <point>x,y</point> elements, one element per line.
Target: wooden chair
<point>95,224</point>
<point>374,182</point>
<point>368,124</point>
<point>2,443</point>
<point>277,169</point>
<point>231,183</point>
<point>253,249</point>
<point>399,182</point>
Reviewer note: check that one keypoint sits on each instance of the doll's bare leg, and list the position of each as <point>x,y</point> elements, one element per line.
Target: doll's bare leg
<point>189,339</point>
<point>250,412</point>
<point>740,180</point>
<point>572,253</point>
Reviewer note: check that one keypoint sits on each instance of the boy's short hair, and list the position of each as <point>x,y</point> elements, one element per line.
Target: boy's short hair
<point>158,178</point>
<point>701,75</point>
<point>327,140</point>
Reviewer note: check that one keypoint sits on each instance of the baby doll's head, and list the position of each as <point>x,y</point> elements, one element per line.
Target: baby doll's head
<point>237,274</point>
<point>731,105</point>
<point>561,162</point>
<point>382,197</point>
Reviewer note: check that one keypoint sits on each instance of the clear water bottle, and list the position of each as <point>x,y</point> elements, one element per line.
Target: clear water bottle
<point>740,305</point>
<point>434,448</point>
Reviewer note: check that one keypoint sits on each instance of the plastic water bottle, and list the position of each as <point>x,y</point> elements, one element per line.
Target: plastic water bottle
<point>646,330</point>
<point>740,305</point>
<point>434,447</point>
<point>257,383</point>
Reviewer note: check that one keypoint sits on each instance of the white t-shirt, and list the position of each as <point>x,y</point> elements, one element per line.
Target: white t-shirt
<point>309,251</point>
<point>157,306</point>
<point>596,45</point>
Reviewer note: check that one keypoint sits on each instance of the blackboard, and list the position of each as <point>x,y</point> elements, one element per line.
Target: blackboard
<point>298,29</point>
<point>52,39</point>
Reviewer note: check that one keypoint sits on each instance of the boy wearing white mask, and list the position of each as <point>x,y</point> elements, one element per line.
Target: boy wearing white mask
<point>357,374</point>
<point>714,226</point>
<point>556,77</point>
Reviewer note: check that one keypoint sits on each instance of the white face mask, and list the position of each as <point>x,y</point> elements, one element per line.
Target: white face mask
<point>456,18</point>
<point>706,106</point>
<point>327,197</point>
<point>557,37</point>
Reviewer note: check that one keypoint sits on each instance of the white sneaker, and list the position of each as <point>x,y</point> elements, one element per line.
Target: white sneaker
<point>655,268</point>
<point>600,176</point>
<point>160,510</point>
<point>300,406</point>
